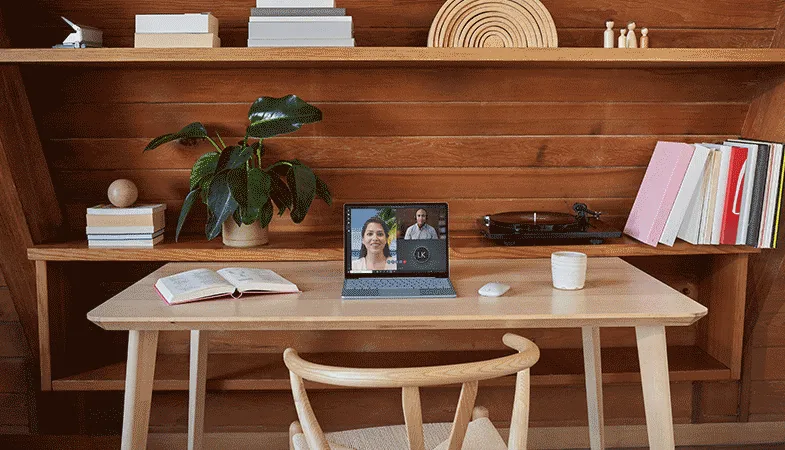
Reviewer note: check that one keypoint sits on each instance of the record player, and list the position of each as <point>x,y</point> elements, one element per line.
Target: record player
<point>532,228</point>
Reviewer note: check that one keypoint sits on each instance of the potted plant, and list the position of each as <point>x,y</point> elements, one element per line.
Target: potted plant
<point>238,190</point>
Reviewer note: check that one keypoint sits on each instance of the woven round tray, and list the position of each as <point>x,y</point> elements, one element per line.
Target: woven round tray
<point>493,23</point>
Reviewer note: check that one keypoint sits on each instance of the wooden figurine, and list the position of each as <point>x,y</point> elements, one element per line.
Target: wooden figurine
<point>644,38</point>
<point>609,35</point>
<point>632,40</point>
<point>623,38</point>
<point>122,193</point>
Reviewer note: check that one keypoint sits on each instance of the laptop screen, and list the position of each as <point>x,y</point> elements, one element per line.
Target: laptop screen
<point>395,240</point>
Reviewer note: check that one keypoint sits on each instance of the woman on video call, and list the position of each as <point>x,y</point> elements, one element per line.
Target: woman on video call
<point>375,252</point>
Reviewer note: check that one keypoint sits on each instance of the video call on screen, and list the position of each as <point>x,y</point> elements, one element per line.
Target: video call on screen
<point>396,239</point>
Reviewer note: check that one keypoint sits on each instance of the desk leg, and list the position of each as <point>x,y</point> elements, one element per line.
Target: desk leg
<point>653,357</point>
<point>196,389</point>
<point>593,368</point>
<point>139,372</point>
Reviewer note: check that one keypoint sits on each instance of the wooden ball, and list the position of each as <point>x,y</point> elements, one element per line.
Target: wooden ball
<point>122,193</point>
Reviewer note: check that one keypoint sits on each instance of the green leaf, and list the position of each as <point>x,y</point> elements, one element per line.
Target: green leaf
<point>220,205</point>
<point>302,182</point>
<point>259,186</point>
<point>192,131</point>
<point>238,185</point>
<point>236,216</point>
<point>203,167</point>
<point>266,215</point>
<point>273,116</point>
<point>280,194</point>
<point>323,192</point>
<point>205,185</point>
<point>233,157</point>
<point>187,204</point>
<point>248,215</point>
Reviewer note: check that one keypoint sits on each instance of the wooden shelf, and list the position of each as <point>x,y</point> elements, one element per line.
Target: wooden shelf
<point>329,247</point>
<point>556,367</point>
<point>400,56</point>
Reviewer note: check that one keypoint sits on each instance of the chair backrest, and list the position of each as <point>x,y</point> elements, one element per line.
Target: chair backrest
<point>410,380</point>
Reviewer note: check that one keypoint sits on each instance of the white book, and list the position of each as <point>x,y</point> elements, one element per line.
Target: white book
<point>772,190</point>
<point>200,284</point>
<point>690,183</point>
<point>722,186</point>
<point>177,23</point>
<point>295,3</point>
<point>300,42</point>
<point>122,230</point>
<point>111,210</point>
<point>124,236</point>
<point>707,212</point>
<point>690,226</point>
<point>346,19</point>
<point>746,195</point>
<point>143,243</point>
<point>279,29</point>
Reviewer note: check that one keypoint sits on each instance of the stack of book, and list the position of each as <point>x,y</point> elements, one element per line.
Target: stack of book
<point>299,23</point>
<point>135,226</point>
<point>176,31</point>
<point>729,193</point>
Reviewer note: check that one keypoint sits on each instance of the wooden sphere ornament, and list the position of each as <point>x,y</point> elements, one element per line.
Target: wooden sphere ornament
<point>122,193</point>
<point>493,23</point>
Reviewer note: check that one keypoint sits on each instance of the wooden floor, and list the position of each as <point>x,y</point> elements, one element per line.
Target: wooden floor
<point>13,442</point>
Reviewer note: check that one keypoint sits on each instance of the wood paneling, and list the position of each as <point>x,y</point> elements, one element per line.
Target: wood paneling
<point>768,363</point>
<point>7,310</point>
<point>13,377</point>
<point>770,330</point>
<point>414,119</point>
<point>768,397</point>
<point>396,84</point>
<point>718,401</point>
<point>12,340</point>
<point>358,152</point>
<point>13,409</point>
<point>391,184</point>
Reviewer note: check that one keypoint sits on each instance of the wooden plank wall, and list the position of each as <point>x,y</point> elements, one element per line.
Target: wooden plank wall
<point>486,139</point>
<point>701,23</point>
<point>14,369</point>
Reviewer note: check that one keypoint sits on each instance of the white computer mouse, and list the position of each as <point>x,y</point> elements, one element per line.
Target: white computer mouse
<point>493,289</point>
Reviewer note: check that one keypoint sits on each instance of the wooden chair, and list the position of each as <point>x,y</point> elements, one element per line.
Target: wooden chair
<point>479,433</point>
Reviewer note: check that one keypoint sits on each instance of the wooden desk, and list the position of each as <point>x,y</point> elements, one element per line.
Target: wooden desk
<point>616,295</point>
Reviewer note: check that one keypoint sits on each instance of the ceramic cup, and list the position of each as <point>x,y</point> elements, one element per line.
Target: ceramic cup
<point>568,270</point>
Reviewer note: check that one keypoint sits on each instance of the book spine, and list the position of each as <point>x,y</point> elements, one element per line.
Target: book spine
<point>746,195</point>
<point>299,30</point>
<point>176,40</point>
<point>756,197</point>
<point>295,3</point>
<point>722,188</point>
<point>300,42</point>
<point>261,12</point>
<point>732,209</point>
<point>779,205</point>
<point>176,23</point>
<point>773,196</point>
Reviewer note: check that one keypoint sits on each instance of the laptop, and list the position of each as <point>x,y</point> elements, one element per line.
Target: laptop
<point>396,250</point>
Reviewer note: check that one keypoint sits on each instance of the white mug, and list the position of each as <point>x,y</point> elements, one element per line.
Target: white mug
<point>568,270</point>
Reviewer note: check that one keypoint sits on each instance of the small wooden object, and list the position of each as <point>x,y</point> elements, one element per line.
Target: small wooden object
<point>489,23</point>
<point>632,40</point>
<point>122,193</point>
<point>645,38</point>
<point>623,38</point>
<point>609,34</point>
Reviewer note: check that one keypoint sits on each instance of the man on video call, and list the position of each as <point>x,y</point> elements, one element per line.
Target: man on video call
<point>421,230</point>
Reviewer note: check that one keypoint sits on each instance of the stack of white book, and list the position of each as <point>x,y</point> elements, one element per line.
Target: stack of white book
<point>135,226</point>
<point>299,23</point>
<point>176,31</point>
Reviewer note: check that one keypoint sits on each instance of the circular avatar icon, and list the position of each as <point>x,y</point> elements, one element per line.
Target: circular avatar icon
<point>421,254</point>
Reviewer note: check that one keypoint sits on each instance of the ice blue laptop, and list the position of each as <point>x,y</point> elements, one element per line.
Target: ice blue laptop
<point>396,250</point>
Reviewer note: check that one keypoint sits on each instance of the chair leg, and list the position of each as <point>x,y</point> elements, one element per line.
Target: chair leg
<point>294,429</point>
<point>479,412</point>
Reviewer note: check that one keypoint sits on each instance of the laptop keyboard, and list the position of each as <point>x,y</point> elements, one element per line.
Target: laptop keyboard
<point>398,287</point>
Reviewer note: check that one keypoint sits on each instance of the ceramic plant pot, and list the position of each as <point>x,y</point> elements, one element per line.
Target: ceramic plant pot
<point>243,236</point>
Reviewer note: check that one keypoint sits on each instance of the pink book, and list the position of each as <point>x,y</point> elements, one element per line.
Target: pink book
<point>658,191</point>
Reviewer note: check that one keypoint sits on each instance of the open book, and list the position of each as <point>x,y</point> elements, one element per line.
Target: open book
<point>200,284</point>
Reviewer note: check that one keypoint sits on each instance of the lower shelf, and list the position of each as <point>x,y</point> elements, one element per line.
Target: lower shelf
<point>556,367</point>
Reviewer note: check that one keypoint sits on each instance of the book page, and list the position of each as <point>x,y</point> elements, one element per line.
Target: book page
<point>249,279</point>
<point>193,284</point>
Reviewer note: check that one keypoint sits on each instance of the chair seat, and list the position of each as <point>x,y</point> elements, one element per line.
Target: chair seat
<point>481,435</point>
